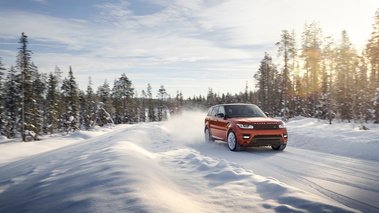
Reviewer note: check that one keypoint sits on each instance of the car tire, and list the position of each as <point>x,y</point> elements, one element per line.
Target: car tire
<point>207,135</point>
<point>232,142</point>
<point>279,147</point>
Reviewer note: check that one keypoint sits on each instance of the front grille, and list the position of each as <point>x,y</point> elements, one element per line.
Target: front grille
<point>266,126</point>
<point>266,140</point>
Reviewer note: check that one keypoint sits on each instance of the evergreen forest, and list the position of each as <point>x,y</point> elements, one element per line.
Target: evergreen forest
<point>314,76</point>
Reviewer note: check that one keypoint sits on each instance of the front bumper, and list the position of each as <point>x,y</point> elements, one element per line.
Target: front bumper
<point>257,138</point>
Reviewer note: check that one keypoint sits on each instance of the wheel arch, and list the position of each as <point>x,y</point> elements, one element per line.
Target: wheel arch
<point>206,126</point>
<point>230,129</point>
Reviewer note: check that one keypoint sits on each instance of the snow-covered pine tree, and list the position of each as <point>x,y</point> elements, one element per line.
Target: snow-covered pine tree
<point>327,100</point>
<point>39,88</point>
<point>134,107</point>
<point>372,53</point>
<point>70,101</point>
<point>83,118</point>
<point>2,99</point>
<point>143,104</point>
<point>122,97</point>
<point>29,110</point>
<point>362,106</point>
<point>105,107</point>
<point>287,49</point>
<point>162,94</point>
<point>376,105</point>
<point>211,99</point>
<point>12,96</point>
<point>268,93</point>
<point>150,103</point>
<point>53,102</point>
<point>345,67</point>
<point>311,53</point>
<point>88,109</point>
<point>178,102</point>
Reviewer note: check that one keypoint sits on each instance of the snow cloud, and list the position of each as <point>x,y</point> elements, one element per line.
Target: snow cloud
<point>185,128</point>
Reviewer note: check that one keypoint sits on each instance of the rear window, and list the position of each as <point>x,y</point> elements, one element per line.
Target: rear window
<point>239,111</point>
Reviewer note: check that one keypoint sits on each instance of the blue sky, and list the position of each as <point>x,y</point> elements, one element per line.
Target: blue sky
<point>185,45</point>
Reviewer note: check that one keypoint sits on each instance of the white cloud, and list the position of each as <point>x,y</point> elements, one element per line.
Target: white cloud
<point>43,28</point>
<point>41,1</point>
<point>226,38</point>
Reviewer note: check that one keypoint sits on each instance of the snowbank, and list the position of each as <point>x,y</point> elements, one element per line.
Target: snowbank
<point>142,169</point>
<point>342,138</point>
<point>14,149</point>
<point>151,167</point>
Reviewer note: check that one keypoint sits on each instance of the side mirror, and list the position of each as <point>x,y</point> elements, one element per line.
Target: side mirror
<point>220,115</point>
<point>267,114</point>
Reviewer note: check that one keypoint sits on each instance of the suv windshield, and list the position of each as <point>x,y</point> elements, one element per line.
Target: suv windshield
<point>238,111</point>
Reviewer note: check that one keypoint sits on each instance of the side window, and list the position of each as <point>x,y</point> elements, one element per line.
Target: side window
<point>221,110</point>
<point>214,111</point>
<point>210,111</point>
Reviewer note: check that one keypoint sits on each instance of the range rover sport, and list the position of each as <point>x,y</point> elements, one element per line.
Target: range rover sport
<point>244,125</point>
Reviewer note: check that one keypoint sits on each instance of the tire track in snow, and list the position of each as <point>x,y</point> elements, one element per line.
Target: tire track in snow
<point>338,197</point>
<point>297,167</point>
<point>336,169</point>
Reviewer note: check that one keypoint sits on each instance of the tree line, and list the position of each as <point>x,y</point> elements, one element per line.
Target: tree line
<point>324,78</point>
<point>317,77</point>
<point>33,103</point>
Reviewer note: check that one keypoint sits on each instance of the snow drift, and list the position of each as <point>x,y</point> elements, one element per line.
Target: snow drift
<point>148,167</point>
<point>341,138</point>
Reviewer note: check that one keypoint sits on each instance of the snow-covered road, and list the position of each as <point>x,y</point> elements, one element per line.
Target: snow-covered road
<point>166,167</point>
<point>351,182</point>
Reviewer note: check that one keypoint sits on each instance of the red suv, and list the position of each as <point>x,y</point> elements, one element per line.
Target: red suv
<point>244,125</point>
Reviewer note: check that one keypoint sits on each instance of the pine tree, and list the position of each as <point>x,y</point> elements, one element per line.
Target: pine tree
<point>30,126</point>
<point>53,102</point>
<point>362,97</point>
<point>287,49</point>
<point>327,97</point>
<point>345,67</point>
<point>211,98</point>
<point>70,99</point>
<point>376,105</point>
<point>122,99</point>
<point>105,107</point>
<point>88,107</point>
<point>134,107</point>
<point>372,53</point>
<point>311,53</point>
<point>2,99</point>
<point>150,103</point>
<point>12,103</point>
<point>268,94</point>
<point>143,104</point>
<point>162,94</point>
<point>39,88</point>
<point>178,105</point>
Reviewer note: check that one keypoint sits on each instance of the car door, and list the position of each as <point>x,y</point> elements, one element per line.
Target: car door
<point>221,124</point>
<point>211,119</point>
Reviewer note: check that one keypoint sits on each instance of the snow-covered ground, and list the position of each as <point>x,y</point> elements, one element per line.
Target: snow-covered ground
<point>166,167</point>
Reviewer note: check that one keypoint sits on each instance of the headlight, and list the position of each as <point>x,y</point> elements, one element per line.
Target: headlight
<point>245,126</point>
<point>283,125</point>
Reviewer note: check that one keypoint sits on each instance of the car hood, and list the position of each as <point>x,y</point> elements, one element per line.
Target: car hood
<point>257,120</point>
